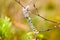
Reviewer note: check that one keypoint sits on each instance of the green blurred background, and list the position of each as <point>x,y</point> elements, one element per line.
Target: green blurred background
<point>11,12</point>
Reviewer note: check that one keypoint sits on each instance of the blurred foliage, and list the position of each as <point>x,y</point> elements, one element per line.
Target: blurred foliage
<point>5,28</point>
<point>10,8</point>
<point>50,6</point>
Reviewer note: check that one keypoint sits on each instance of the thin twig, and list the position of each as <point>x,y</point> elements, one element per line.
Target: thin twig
<point>43,18</point>
<point>48,29</point>
<point>26,14</point>
<point>19,3</point>
<point>40,15</point>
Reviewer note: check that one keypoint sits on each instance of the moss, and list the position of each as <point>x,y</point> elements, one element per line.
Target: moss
<point>5,30</point>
